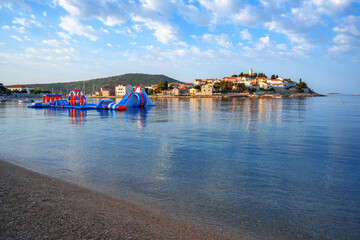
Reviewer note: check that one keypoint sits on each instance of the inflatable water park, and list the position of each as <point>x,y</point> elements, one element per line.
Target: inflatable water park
<point>77,100</point>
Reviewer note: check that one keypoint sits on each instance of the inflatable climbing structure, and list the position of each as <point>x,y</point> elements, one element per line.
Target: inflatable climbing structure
<point>77,100</point>
<point>137,98</point>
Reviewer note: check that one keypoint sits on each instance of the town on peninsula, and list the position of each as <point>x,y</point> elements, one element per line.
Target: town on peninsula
<point>250,84</point>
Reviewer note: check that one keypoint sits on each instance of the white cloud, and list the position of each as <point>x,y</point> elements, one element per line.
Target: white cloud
<point>64,36</point>
<point>52,42</point>
<point>110,12</point>
<point>74,27</point>
<point>193,14</point>
<point>263,43</point>
<point>162,6</point>
<point>19,29</point>
<point>332,7</point>
<point>105,30</point>
<point>6,27</point>
<point>44,13</point>
<point>109,45</point>
<point>245,35</point>
<point>220,40</point>
<point>17,38</point>
<point>281,46</point>
<point>347,39</point>
<point>36,23</point>
<point>20,21</point>
<point>163,31</point>
<point>137,27</point>
<point>249,16</point>
<point>111,20</point>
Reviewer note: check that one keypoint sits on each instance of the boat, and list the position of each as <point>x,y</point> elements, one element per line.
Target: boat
<point>26,101</point>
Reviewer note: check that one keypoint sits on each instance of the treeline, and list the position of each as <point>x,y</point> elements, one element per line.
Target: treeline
<point>88,86</point>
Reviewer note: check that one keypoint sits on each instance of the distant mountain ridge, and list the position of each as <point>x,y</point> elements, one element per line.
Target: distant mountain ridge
<point>134,79</point>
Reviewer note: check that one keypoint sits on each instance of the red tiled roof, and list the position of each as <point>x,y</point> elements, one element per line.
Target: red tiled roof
<point>20,86</point>
<point>108,86</point>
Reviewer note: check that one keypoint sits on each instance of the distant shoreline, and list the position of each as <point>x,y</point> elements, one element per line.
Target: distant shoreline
<point>294,95</point>
<point>236,95</point>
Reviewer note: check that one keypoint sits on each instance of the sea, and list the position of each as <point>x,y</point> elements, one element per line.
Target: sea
<point>260,168</point>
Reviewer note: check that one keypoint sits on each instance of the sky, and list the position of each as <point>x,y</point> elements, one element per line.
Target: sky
<point>70,40</point>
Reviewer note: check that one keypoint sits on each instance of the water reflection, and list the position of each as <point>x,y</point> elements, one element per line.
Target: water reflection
<point>134,115</point>
<point>282,167</point>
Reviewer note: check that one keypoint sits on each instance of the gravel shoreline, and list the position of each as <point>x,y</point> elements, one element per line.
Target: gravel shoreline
<point>33,205</point>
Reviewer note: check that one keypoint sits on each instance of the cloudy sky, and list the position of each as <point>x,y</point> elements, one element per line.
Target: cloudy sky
<point>65,40</point>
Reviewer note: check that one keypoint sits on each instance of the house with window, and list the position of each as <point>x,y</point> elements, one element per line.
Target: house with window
<point>21,87</point>
<point>121,90</point>
<point>193,91</point>
<point>107,91</point>
<point>207,89</point>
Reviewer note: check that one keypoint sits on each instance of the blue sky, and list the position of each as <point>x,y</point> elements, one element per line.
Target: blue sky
<point>69,40</point>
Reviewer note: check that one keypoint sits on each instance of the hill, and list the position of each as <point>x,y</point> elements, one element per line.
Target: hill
<point>134,79</point>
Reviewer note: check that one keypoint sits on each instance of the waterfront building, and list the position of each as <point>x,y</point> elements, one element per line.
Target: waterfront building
<point>173,85</point>
<point>121,90</point>
<point>202,82</point>
<point>265,85</point>
<point>230,79</point>
<point>186,85</point>
<point>107,91</point>
<point>193,91</point>
<point>207,89</point>
<point>21,87</point>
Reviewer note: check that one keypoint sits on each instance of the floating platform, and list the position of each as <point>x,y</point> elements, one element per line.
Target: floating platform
<point>77,100</point>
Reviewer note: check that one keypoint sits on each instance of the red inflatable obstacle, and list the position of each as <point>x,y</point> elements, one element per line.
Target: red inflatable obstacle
<point>76,98</point>
<point>50,98</point>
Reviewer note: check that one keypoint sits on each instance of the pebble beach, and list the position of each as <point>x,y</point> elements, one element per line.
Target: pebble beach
<point>35,206</point>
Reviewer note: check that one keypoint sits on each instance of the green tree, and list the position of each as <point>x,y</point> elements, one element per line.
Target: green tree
<point>241,74</point>
<point>2,89</point>
<point>234,75</point>
<point>198,87</point>
<point>166,85</point>
<point>217,86</point>
<point>277,76</point>
<point>262,75</point>
<point>225,86</point>
<point>300,86</point>
<point>273,76</point>
<point>241,86</point>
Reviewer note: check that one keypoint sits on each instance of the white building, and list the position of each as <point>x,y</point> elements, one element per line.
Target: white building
<point>121,90</point>
<point>21,87</point>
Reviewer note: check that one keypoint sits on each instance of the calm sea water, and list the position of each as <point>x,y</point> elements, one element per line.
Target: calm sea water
<point>263,168</point>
